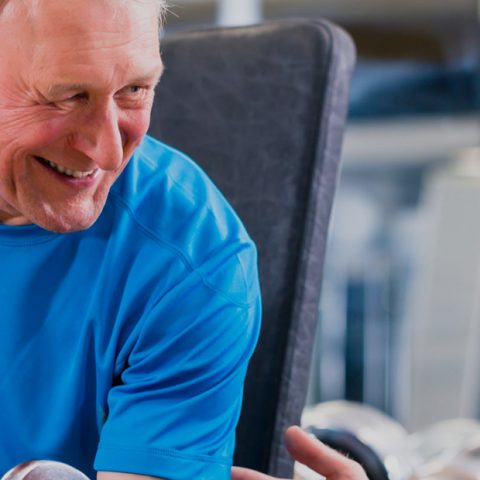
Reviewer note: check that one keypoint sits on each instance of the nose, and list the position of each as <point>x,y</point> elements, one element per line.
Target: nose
<point>98,136</point>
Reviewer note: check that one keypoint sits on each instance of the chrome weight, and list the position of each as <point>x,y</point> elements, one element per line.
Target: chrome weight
<point>44,470</point>
<point>448,450</point>
<point>366,435</point>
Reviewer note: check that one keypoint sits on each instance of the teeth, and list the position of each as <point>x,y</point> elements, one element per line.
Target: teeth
<point>68,171</point>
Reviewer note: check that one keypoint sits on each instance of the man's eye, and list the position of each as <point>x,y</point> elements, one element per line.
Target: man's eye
<point>76,97</point>
<point>135,94</point>
<point>134,90</point>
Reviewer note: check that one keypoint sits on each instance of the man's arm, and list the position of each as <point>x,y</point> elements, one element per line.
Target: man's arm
<point>315,455</point>
<point>303,448</point>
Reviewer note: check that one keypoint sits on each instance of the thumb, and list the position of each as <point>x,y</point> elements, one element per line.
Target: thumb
<point>321,458</point>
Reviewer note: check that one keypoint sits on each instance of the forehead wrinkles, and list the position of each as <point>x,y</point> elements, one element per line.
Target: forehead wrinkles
<point>160,6</point>
<point>108,16</point>
<point>47,46</point>
<point>101,25</point>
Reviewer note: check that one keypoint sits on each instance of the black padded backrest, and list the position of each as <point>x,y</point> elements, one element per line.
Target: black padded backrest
<point>262,110</point>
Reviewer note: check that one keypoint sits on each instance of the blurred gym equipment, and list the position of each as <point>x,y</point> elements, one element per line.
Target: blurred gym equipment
<point>448,450</point>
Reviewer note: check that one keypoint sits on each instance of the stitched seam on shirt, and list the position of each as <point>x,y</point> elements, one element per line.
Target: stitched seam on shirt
<point>157,238</point>
<point>28,243</point>
<point>168,452</point>
<point>191,197</point>
<point>178,184</point>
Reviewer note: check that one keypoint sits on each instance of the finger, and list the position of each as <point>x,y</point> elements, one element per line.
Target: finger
<point>240,473</point>
<point>319,457</point>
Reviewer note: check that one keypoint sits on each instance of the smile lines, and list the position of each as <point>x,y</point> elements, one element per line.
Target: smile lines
<point>66,171</point>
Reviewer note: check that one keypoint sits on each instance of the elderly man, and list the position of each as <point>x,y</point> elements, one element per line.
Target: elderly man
<point>128,289</point>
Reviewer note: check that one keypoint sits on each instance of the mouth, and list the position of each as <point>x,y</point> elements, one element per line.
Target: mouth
<point>68,172</point>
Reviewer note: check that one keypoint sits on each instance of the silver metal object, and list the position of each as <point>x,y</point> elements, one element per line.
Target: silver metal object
<point>448,450</point>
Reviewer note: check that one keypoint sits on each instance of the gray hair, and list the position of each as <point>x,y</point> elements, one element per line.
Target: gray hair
<point>161,8</point>
<point>162,11</point>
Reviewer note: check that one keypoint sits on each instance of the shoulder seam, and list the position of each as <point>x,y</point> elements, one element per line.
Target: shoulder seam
<point>185,260</point>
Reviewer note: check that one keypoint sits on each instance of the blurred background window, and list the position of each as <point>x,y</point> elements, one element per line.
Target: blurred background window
<point>399,320</point>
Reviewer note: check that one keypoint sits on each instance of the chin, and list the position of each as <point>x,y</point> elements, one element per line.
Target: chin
<point>66,222</point>
<point>63,215</point>
<point>71,227</point>
<point>66,226</point>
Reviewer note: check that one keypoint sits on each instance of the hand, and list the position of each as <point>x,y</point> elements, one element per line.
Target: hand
<point>315,455</point>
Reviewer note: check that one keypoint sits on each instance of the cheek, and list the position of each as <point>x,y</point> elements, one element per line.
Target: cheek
<point>28,129</point>
<point>135,125</point>
<point>49,131</point>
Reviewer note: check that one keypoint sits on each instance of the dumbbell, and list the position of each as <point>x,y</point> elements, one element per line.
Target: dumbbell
<point>44,470</point>
<point>365,435</point>
<point>449,449</point>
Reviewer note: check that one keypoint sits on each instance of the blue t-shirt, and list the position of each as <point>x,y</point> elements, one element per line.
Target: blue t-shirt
<point>124,347</point>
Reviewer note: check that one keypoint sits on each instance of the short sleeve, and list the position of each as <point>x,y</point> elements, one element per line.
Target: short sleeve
<point>173,410</point>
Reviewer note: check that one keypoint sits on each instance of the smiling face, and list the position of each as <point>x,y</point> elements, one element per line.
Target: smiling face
<point>76,90</point>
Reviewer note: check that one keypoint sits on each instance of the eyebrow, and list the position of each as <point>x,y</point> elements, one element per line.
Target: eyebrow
<point>61,88</point>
